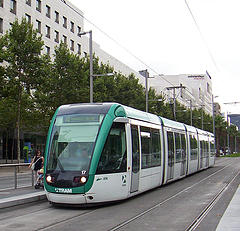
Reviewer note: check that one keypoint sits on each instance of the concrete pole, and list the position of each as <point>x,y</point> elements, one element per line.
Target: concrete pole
<point>213,117</point>
<point>146,85</point>
<point>228,135</point>
<point>145,74</point>
<point>191,111</point>
<point>91,67</point>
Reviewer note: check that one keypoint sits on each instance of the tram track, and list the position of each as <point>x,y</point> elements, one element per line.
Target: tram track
<point>64,220</point>
<point>201,215</point>
<point>197,221</point>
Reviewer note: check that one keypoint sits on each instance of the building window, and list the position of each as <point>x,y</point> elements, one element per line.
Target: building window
<point>79,48</point>
<point>72,27</point>
<point>1,3</point>
<point>1,25</point>
<point>28,2</point>
<point>47,31</point>
<point>56,17</point>
<point>28,18</point>
<point>72,45</point>
<point>64,22</point>
<point>48,50</point>
<point>38,5</point>
<point>79,30</point>
<point>56,36</point>
<point>39,26</point>
<point>13,6</point>
<point>64,39</point>
<point>48,11</point>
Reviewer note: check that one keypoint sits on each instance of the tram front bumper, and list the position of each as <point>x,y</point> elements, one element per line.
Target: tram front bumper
<point>60,198</point>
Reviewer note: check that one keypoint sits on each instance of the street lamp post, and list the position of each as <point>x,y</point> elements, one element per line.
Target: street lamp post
<point>228,135</point>
<point>91,75</point>
<point>213,117</point>
<point>90,63</point>
<point>190,111</point>
<point>91,66</point>
<point>145,74</point>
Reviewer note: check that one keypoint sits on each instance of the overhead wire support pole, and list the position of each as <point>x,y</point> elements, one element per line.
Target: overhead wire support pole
<point>145,74</point>
<point>228,134</point>
<point>91,66</point>
<point>174,97</point>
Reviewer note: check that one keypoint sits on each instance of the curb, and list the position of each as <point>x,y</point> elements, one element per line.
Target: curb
<point>23,199</point>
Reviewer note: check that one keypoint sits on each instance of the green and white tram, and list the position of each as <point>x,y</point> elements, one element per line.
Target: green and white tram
<point>106,152</point>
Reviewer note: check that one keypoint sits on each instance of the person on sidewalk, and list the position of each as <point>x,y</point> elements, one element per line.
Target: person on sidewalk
<point>37,161</point>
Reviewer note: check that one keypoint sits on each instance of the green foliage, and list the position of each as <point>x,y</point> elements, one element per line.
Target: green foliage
<point>232,155</point>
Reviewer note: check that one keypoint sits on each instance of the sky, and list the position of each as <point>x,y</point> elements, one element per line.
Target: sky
<point>172,37</point>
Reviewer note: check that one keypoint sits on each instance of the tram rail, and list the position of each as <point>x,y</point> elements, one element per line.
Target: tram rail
<point>122,224</point>
<point>201,215</point>
<point>197,221</point>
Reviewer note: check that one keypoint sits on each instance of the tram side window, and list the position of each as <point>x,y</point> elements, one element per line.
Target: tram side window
<point>201,149</point>
<point>193,147</point>
<point>135,149</point>
<point>170,146</point>
<point>151,147</point>
<point>146,147</point>
<point>114,155</point>
<point>184,147</point>
<point>206,149</point>
<point>156,148</point>
<point>212,150</point>
<point>178,147</point>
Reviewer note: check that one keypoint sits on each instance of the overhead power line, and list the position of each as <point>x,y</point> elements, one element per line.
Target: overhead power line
<point>120,45</point>
<point>201,34</point>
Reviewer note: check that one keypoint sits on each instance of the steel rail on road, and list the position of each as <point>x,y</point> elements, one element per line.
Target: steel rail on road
<point>209,206</point>
<point>172,197</point>
<point>16,169</point>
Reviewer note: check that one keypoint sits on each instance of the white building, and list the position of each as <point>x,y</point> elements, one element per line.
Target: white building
<point>189,90</point>
<point>57,20</point>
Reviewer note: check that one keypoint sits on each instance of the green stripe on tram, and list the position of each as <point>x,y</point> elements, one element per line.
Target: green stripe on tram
<point>48,187</point>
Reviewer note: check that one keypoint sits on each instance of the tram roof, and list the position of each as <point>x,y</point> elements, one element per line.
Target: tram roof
<point>190,128</point>
<point>84,108</point>
<point>141,115</point>
<point>172,124</point>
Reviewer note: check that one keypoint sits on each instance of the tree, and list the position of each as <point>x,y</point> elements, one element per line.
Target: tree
<point>66,83</point>
<point>21,54</point>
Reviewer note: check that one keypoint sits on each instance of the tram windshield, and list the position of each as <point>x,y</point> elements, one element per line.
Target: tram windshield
<point>72,142</point>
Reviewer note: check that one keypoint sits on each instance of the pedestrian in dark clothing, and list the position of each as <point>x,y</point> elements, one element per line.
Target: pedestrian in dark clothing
<point>37,161</point>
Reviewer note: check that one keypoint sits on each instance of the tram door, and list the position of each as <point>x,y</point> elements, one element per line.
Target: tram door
<point>135,159</point>
<point>171,151</point>
<point>184,154</point>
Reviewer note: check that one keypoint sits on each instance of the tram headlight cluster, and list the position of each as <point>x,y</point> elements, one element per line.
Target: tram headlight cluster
<point>80,179</point>
<point>83,179</point>
<point>49,179</point>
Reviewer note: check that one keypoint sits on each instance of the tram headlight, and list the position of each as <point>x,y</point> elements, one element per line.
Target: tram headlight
<point>83,179</point>
<point>49,179</point>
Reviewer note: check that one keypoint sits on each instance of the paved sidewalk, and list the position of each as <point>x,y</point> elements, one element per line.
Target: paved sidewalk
<point>231,218</point>
<point>13,197</point>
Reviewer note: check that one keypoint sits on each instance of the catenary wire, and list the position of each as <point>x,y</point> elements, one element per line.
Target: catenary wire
<point>120,45</point>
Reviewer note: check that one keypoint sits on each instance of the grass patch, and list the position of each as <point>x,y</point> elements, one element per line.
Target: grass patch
<point>232,155</point>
